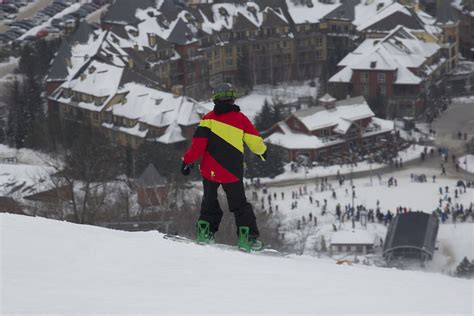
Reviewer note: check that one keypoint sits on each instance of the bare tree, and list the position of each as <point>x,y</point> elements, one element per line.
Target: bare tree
<point>86,174</point>
<point>302,236</point>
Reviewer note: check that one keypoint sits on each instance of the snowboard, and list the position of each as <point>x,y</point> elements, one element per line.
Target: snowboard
<point>263,252</point>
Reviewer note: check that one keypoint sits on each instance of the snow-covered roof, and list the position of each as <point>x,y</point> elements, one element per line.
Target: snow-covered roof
<point>157,109</point>
<point>327,98</point>
<point>312,13</point>
<point>100,80</point>
<point>398,51</point>
<point>345,111</point>
<point>75,52</point>
<point>294,140</point>
<point>367,15</point>
<point>340,119</point>
<point>173,134</point>
<point>354,237</point>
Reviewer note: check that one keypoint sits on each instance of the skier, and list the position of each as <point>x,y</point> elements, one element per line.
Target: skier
<point>219,140</point>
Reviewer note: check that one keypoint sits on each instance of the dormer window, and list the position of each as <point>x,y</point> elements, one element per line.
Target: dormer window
<point>152,39</point>
<point>223,12</point>
<point>158,101</point>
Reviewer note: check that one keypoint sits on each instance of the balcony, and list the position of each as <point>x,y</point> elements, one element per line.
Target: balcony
<point>406,97</point>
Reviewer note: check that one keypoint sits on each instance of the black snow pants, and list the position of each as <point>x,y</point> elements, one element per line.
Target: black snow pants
<point>212,212</point>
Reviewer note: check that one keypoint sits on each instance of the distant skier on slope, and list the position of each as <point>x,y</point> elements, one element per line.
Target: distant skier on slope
<point>219,140</point>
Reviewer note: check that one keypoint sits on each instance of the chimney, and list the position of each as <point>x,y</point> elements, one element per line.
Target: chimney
<point>327,101</point>
<point>177,90</point>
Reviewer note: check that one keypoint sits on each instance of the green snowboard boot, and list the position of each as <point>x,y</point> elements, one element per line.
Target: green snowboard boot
<point>248,243</point>
<point>204,235</point>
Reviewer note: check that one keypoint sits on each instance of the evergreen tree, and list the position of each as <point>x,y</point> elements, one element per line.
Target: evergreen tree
<point>465,269</point>
<point>277,115</point>
<point>273,166</point>
<point>26,125</point>
<point>378,105</point>
<point>16,125</point>
<point>265,118</point>
<point>244,75</point>
<point>166,159</point>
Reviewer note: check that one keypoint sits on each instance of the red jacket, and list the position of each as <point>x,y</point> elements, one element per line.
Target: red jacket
<point>219,140</point>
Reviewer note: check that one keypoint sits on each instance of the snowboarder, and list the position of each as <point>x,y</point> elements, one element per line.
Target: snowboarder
<point>219,140</point>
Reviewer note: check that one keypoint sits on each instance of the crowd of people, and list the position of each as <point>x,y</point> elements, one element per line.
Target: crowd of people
<point>448,206</point>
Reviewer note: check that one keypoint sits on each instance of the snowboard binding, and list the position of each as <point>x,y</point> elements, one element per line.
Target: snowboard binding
<point>248,243</point>
<point>204,235</point>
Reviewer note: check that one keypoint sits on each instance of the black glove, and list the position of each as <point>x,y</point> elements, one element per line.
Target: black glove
<point>264,155</point>
<point>186,169</point>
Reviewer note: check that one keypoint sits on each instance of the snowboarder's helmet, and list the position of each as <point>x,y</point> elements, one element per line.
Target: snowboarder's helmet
<point>223,92</point>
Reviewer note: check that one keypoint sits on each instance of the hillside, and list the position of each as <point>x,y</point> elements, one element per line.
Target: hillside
<point>56,267</point>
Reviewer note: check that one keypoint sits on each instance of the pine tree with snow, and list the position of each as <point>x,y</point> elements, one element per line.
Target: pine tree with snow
<point>465,269</point>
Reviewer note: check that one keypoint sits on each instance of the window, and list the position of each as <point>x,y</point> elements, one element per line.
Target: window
<point>381,77</point>
<point>359,248</point>
<point>339,248</point>
<point>383,90</point>
<point>365,89</point>
<point>324,132</point>
<point>229,51</point>
<point>95,117</point>
<point>364,76</point>
<point>317,54</point>
<point>229,62</point>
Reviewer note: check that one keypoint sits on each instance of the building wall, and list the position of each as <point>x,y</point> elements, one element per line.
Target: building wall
<point>466,34</point>
<point>152,196</point>
<point>367,83</point>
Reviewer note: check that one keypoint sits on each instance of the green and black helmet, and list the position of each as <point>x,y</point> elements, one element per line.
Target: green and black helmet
<point>223,92</point>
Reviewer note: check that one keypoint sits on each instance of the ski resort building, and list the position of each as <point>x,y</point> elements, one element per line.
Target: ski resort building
<point>152,188</point>
<point>357,241</point>
<point>394,73</point>
<point>411,236</point>
<point>95,81</point>
<point>184,49</point>
<point>331,132</point>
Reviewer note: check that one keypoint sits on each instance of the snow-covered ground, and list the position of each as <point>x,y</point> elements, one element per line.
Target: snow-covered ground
<point>52,267</point>
<point>31,172</point>
<point>469,99</point>
<point>417,196</point>
<point>24,155</point>
<point>467,163</point>
<point>8,66</point>
<point>411,153</point>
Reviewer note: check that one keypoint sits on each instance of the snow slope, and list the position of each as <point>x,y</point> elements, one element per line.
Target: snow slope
<point>62,268</point>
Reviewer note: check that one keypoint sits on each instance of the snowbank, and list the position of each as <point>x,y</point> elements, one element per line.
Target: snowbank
<point>24,155</point>
<point>469,99</point>
<point>61,268</point>
<point>467,163</point>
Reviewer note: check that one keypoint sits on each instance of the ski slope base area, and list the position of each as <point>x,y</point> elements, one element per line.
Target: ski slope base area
<point>53,267</point>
